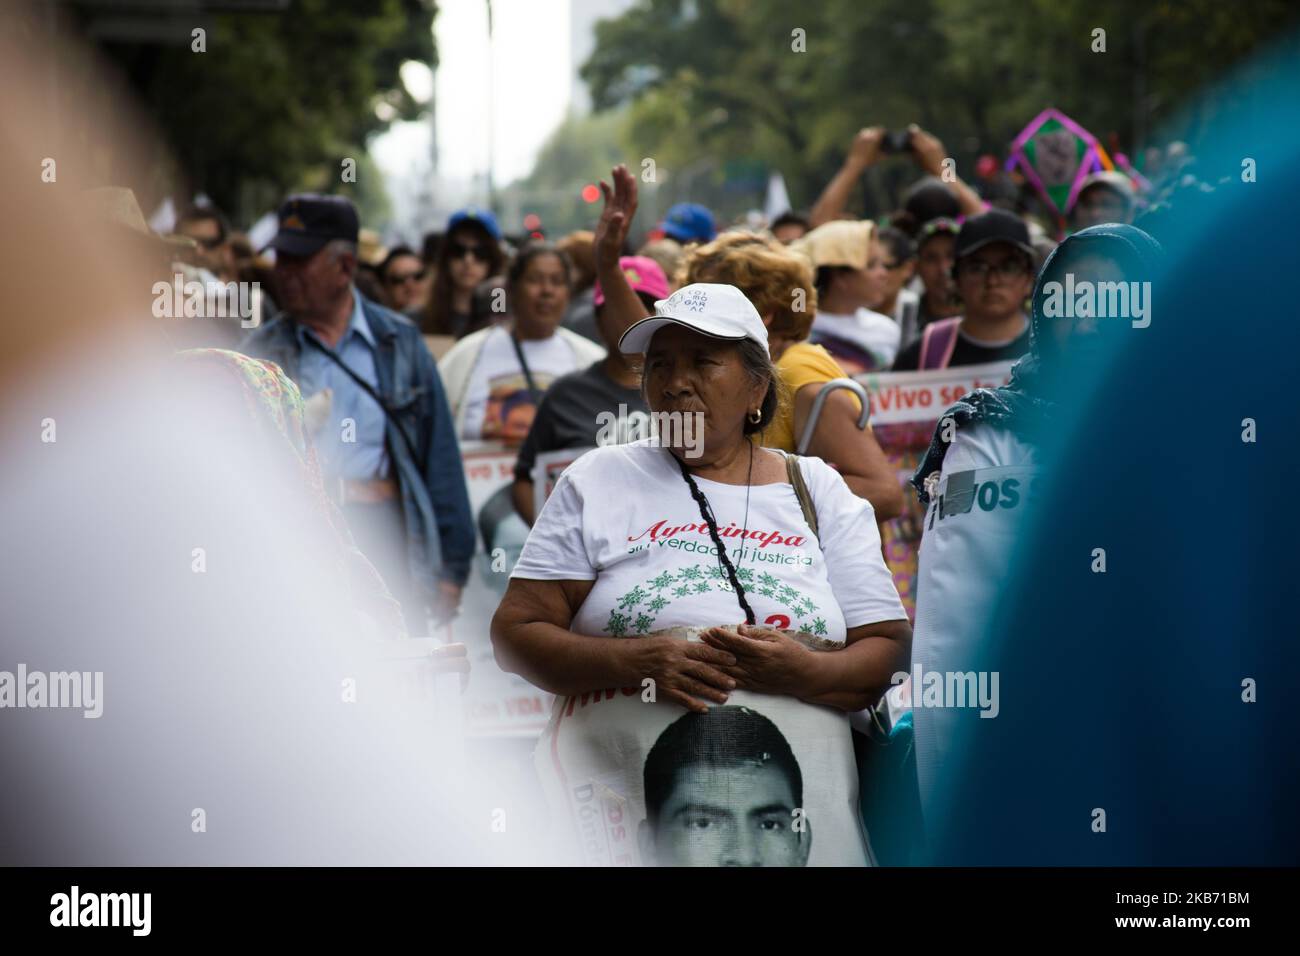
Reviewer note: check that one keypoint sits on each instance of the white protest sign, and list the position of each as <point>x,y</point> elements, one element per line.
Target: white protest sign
<point>497,704</point>
<point>547,468</point>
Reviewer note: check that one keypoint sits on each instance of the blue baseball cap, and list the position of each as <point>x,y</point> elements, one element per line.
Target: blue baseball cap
<point>483,217</point>
<point>689,222</point>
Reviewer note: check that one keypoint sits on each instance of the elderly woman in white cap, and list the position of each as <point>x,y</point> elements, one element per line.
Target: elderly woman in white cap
<point>646,555</point>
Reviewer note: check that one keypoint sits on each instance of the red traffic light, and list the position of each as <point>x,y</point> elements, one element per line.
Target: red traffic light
<point>590,193</point>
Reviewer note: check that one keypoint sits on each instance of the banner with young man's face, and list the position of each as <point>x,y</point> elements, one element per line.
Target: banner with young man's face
<point>760,781</point>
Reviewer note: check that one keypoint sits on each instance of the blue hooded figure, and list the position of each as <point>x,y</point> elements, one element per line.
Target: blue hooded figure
<point>1128,602</point>
<point>1062,348</point>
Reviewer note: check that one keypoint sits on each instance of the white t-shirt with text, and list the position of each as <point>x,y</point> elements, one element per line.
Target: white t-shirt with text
<point>624,517</point>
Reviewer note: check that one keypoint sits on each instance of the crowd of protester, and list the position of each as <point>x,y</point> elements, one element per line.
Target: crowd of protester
<point>538,341</point>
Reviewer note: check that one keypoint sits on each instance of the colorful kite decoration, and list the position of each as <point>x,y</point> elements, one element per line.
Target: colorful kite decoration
<point>1055,154</point>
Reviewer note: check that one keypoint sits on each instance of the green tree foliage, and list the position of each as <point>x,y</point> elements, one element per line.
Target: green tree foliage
<point>279,99</point>
<point>721,77</point>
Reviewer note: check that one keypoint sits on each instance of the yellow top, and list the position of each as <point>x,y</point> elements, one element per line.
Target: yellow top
<point>801,364</point>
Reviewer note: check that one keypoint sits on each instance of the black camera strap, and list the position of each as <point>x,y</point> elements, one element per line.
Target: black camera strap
<point>369,390</point>
<point>523,364</point>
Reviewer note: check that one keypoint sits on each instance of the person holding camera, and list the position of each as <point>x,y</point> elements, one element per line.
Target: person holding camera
<point>869,145</point>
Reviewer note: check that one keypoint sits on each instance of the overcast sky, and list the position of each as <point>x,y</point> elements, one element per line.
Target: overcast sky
<point>530,69</point>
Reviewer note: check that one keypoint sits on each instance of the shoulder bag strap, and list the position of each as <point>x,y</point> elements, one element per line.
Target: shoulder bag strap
<point>937,343</point>
<point>795,474</point>
<point>523,364</point>
<point>369,390</point>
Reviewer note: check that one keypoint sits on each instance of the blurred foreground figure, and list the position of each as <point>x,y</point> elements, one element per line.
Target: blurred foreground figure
<point>1140,628</point>
<point>163,553</point>
<point>981,478</point>
<point>277,424</point>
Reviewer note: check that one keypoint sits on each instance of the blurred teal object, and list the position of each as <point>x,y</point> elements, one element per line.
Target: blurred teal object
<point>1126,734</point>
<point>888,794</point>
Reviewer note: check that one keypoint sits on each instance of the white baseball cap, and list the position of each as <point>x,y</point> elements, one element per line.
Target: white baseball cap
<point>710,308</point>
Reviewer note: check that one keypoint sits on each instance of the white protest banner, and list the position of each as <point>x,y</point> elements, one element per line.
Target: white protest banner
<point>924,396</point>
<point>905,408</point>
<point>496,703</point>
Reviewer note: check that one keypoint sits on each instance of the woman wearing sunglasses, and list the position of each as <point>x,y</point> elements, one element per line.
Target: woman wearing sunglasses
<point>469,254</point>
<point>402,276</point>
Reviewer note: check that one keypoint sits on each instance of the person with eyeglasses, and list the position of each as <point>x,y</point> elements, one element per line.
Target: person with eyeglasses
<point>469,254</point>
<point>994,272</point>
<point>402,276</point>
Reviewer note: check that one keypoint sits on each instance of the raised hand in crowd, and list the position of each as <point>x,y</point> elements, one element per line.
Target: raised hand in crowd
<point>622,306</point>
<point>616,216</point>
<point>866,147</point>
<point>929,154</point>
<point>862,155</point>
<point>926,151</point>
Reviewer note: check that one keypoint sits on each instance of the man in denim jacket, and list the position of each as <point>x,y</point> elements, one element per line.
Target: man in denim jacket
<point>395,470</point>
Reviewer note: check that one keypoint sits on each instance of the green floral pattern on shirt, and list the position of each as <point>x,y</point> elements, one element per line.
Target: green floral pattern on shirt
<point>637,610</point>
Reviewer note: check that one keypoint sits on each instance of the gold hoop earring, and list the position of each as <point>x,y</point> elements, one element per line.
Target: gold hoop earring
<point>756,416</point>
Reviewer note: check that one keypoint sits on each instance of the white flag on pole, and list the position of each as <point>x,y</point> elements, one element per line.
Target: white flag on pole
<point>778,200</point>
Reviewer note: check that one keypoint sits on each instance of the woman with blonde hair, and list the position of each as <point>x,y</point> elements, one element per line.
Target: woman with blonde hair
<point>780,285</point>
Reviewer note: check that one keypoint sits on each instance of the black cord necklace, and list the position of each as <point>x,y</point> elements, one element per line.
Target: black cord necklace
<point>706,512</point>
